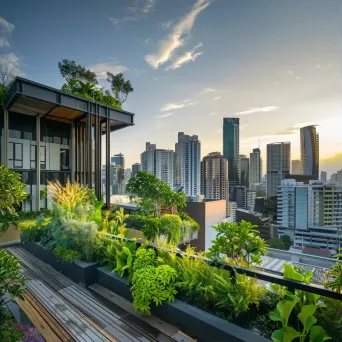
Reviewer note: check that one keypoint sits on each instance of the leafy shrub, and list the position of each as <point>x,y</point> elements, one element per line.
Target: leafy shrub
<point>135,221</point>
<point>66,254</point>
<point>151,284</point>
<point>171,227</point>
<point>239,243</point>
<point>124,258</point>
<point>334,276</point>
<point>185,217</point>
<point>151,227</point>
<point>30,230</point>
<point>11,190</point>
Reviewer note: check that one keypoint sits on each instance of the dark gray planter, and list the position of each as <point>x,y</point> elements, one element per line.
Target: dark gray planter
<point>79,271</point>
<point>193,321</point>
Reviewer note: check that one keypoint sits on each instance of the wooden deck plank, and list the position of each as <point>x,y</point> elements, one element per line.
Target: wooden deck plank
<point>72,321</point>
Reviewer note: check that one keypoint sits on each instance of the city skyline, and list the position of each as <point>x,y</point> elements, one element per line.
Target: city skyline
<point>275,81</point>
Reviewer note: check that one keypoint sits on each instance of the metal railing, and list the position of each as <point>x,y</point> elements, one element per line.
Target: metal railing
<point>291,285</point>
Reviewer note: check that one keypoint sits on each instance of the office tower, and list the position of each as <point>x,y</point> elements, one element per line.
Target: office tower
<point>231,208</point>
<point>323,176</point>
<point>278,166</point>
<point>296,167</point>
<point>117,180</point>
<point>231,148</point>
<point>239,195</point>
<point>118,160</point>
<point>311,214</point>
<point>214,177</point>
<point>254,168</point>
<point>136,167</point>
<point>250,200</point>
<point>244,170</point>
<point>158,162</point>
<point>309,148</point>
<point>188,164</point>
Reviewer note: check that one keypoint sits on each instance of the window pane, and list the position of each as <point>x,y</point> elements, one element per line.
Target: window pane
<point>14,134</point>
<point>65,141</point>
<point>42,153</point>
<point>25,177</point>
<point>57,140</point>
<point>33,164</point>
<point>18,151</point>
<point>27,135</point>
<point>10,164</point>
<point>18,163</point>
<point>33,152</point>
<point>10,151</point>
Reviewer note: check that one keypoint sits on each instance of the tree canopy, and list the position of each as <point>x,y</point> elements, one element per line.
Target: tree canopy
<point>6,77</point>
<point>154,193</point>
<point>83,82</point>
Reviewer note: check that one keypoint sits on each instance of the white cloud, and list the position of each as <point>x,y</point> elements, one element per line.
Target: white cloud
<point>4,42</point>
<point>6,30</point>
<point>177,105</point>
<point>258,110</point>
<point>12,61</point>
<point>100,69</point>
<point>164,115</point>
<point>216,98</point>
<point>147,40</point>
<point>290,72</point>
<point>212,113</point>
<point>6,26</point>
<point>207,91</point>
<point>177,36</point>
<point>167,24</point>
<point>139,10</point>
<point>189,56</point>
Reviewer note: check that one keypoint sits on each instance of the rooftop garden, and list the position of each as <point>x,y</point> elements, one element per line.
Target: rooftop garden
<point>77,228</point>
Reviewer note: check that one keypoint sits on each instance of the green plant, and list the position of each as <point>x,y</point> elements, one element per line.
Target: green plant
<point>11,190</point>
<point>306,318</point>
<point>334,277</point>
<point>125,258</point>
<point>276,243</point>
<point>171,226</point>
<point>151,227</point>
<point>30,230</point>
<point>154,194</point>
<point>151,283</point>
<point>239,243</point>
<point>66,254</point>
<point>11,280</point>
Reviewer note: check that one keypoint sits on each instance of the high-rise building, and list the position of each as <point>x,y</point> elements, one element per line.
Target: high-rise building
<point>117,180</point>
<point>136,167</point>
<point>188,164</point>
<point>118,160</point>
<point>309,148</point>
<point>324,176</point>
<point>214,176</point>
<point>296,167</point>
<point>278,166</point>
<point>311,214</point>
<point>255,168</point>
<point>231,148</point>
<point>244,170</point>
<point>231,208</point>
<point>158,162</point>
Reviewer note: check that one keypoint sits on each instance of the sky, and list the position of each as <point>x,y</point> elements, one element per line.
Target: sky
<point>276,64</point>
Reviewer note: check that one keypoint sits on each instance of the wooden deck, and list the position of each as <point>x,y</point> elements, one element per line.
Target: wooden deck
<point>65,311</point>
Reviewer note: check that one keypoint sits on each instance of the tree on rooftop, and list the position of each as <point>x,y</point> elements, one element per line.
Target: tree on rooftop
<point>154,193</point>
<point>6,77</point>
<point>83,82</point>
<point>277,244</point>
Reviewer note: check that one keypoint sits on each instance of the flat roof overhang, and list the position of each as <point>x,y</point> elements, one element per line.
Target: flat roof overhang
<point>32,98</point>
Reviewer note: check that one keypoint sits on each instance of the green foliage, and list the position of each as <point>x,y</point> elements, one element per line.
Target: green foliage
<point>11,190</point>
<point>334,278</point>
<point>276,243</point>
<point>151,283</point>
<point>189,220</point>
<point>124,259</point>
<point>151,227</point>
<point>66,254</point>
<point>305,317</point>
<point>11,280</point>
<point>154,194</point>
<point>171,227</point>
<point>30,230</point>
<point>109,221</point>
<point>82,82</point>
<point>286,240</point>
<point>239,243</point>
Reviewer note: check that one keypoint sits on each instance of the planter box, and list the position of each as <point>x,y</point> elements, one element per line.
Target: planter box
<point>10,236</point>
<point>79,271</point>
<point>193,321</point>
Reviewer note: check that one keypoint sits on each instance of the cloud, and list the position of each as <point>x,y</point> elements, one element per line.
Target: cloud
<point>147,40</point>
<point>12,61</point>
<point>212,113</point>
<point>177,37</point>
<point>290,72</point>
<point>177,105</point>
<point>216,98</point>
<point>258,110</point>
<point>167,24</point>
<point>6,30</point>
<point>189,56</point>
<point>139,10</point>
<point>207,91</point>
<point>164,115</point>
<point>100,69</point>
